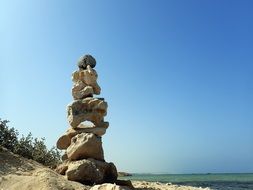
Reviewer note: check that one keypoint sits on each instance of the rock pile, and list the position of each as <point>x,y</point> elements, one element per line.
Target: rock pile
<point>83,160</point>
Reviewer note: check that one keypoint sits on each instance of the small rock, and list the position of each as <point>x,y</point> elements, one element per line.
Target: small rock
<point>86,60</point>
<point>62,168</point>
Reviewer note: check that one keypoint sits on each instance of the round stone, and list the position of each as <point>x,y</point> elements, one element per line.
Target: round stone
<point>86,60</point>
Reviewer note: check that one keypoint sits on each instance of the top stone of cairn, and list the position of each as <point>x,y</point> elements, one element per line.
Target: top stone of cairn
<point>86,60</point>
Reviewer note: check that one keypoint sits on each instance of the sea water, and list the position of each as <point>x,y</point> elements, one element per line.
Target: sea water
<point>214,181</point>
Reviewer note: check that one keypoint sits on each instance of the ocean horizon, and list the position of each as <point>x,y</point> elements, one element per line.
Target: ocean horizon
<point>217,181</point>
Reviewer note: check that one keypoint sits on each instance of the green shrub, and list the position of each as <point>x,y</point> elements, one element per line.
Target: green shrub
<point>27,146</point>
<point>8,136</point>
<point>24,146</point>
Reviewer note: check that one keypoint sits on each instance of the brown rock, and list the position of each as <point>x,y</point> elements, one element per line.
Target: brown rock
<point>88,77</point>
<point>85,145</point>
<point>90,109</point>
<point>127,183</point>
<point>62,168</point>
<point>81,90</point>
<point>65,140</point>
<point>64,156</point>
<point>90,171</point>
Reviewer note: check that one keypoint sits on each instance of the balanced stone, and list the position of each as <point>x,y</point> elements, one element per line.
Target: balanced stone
<point>85,145</point>
<point>88,77</point>
<point>83,160</point>
<point>86,60</point>
<point>88,109</point>
<point>81,90</point>
<point>65,140</point>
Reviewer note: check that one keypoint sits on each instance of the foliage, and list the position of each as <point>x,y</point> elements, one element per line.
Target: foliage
<point>8,136</point>
<point>27,146</point>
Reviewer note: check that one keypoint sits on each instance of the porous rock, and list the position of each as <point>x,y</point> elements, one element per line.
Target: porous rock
<point>88,109</point>
<point>65,140</point>
<point>91,171</point>
<point>85,145</point>
<point>81,90</point>
<point>88,77</point>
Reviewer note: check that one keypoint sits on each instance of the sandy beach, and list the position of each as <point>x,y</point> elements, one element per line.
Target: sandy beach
<point>20,173</point>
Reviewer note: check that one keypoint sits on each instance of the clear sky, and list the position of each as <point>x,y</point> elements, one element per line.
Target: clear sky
<point>177,75</point>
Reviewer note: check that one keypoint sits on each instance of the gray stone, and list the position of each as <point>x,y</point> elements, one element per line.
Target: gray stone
<point>86,60</point>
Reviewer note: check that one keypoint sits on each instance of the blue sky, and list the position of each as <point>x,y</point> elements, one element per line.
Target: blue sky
<point>177,75</point>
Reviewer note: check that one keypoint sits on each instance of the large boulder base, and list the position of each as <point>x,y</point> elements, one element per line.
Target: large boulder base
<point>91,171</point>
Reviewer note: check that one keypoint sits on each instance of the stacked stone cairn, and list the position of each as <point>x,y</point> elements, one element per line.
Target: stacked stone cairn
<point>83,160</point>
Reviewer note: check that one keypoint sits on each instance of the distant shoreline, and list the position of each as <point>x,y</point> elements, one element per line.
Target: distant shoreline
<point>187,173</point>
<point>208,180</point>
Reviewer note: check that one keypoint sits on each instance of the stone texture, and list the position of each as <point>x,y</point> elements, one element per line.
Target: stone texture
<point>65,140</point>
<point>86,60</point>
<point>64,156</point>
<point>109,186</point>
<point>62,168</point>
<point>127,183</point>
<point>90,171</point>
<point>90,109</point>
<point>81,90</point>
<point>85,145</point>
<point>88,77</point>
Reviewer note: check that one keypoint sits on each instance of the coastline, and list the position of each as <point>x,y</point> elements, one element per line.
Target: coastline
<point>219,181</point>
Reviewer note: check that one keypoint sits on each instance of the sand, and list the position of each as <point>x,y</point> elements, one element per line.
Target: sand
<point>18,173</point>
<point>141,185</point>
